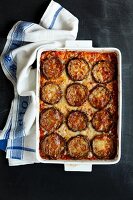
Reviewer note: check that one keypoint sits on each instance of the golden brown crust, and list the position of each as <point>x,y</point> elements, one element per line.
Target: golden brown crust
<point>102,121</point>
<point>76,94</point>
<point>51,68</point>
<point>78,147</point>
<point>99,97</point>
<point>53,145</point>
<point>77,121</point>
<point>51,93</point>
<point>89,106</point>
<point>77,69</point>
<point>103,146</point>
<point>103,71</point>
<point>51,119</point>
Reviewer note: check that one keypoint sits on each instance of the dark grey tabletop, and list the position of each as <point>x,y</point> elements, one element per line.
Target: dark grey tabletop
<point>108,24</point>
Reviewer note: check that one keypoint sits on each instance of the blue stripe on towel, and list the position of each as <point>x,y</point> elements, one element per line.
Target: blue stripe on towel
<point>21,148</point>
<point>17,154</point>
<point>16,41</point>
<point>17,38</point>
<point>54,17</point>
<point>23,103</point>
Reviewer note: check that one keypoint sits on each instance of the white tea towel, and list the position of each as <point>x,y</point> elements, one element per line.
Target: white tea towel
<point>56,26</point>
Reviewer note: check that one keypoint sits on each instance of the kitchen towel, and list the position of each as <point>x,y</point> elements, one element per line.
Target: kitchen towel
<point>18,63</point>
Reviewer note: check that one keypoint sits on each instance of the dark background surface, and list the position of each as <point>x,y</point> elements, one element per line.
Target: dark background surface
<point>109,23</point>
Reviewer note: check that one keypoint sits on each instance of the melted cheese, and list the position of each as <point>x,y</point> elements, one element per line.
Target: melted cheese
<point>64,81</point>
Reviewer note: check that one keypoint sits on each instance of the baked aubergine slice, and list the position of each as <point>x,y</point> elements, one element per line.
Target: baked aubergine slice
<point>99,97</point>
<point>77,69</point>
<point>78,147</point>
<point>52,68</point>
<point>77,120</point>
<point>103,71</point>
<point>51,93</point>
<point>103,146</point>
<point>53,145</point>
<point>51,119</point>
<point>76,94</point>
<point>102,121</point>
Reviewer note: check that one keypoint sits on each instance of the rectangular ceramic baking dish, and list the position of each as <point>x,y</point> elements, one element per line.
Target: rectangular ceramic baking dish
<point>80,47</point>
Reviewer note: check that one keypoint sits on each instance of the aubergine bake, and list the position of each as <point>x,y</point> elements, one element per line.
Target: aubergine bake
<point>78,105</point>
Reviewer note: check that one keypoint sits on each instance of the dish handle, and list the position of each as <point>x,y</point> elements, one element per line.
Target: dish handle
<point>78,44</point>
<point>78,167</point>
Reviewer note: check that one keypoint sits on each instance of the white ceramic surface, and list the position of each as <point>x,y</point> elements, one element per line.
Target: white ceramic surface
<point>70,163</point>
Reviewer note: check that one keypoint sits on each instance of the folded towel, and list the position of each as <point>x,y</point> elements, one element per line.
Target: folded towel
<point>17,60</point>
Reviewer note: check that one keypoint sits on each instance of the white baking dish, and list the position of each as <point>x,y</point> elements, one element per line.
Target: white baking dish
<point>77,163</point>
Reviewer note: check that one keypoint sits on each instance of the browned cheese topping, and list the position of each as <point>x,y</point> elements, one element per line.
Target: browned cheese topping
<point>76,94</point>
<point>52,68</point>
<point>77,69</point>
<point>51,93</point>
<point>99,97</point>
<point>78,147</point>
<point>77,121</point>
<point>103,72</point>
<point>78,105</point>
<point>51,119</point>
<point>103,146</point>
<point>53,145</point>
<point>102,121</point>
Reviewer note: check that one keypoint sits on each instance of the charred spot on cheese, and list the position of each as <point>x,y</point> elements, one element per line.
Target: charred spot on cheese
<point>99,97</point>
<point>51,93</point>
<point>103,71</point>
<point>53,145</point>
<point>51,119</point>
<point>52,68</point>
<point>77,121</point>
<point>78,147</point>
<point>103,146</point>
<point>76,94</point>
<point>77,69</point>
<point>102,121</point>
